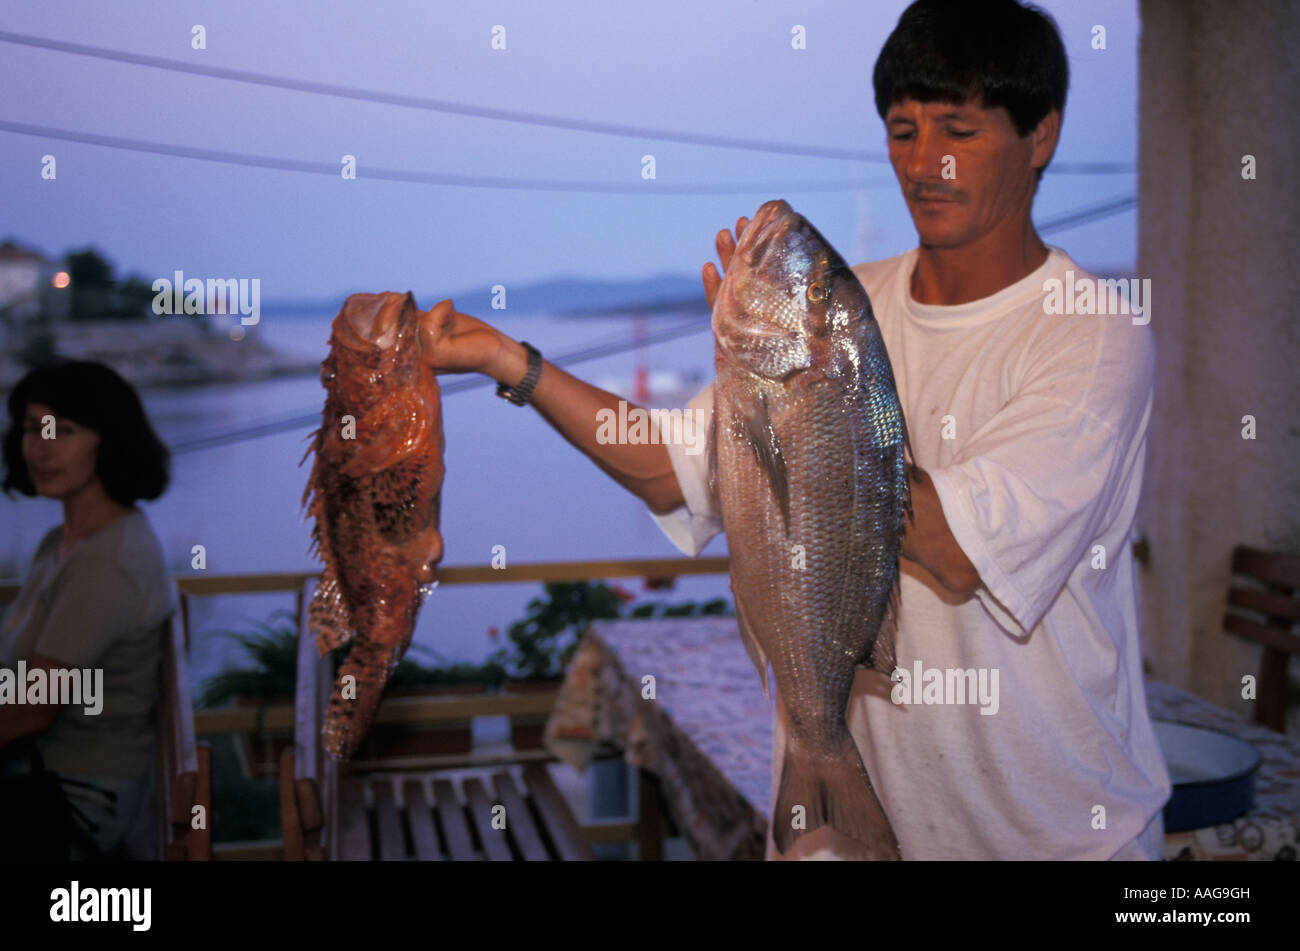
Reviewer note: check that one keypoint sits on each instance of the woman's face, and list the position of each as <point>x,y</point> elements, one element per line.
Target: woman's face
<point>64,465</point>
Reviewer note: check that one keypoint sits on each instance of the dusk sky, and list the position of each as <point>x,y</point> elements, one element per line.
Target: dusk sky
<point>718,69</point>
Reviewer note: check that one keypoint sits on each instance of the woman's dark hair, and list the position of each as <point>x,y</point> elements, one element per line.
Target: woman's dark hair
<point>997,51</point>
<point>132,461</point>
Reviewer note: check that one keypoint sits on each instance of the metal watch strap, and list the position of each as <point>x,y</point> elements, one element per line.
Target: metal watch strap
<point>521,394</point>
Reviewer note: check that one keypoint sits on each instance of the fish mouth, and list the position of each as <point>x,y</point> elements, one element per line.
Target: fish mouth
<point>749,251</point>
<point>771,220</point>
<point>372,319</point>
<point>767,222</point>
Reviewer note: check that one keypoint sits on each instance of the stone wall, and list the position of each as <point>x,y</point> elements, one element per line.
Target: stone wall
<point>1218,80</point>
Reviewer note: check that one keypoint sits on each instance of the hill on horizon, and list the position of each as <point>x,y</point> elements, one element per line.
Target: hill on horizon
<point>562,295</point>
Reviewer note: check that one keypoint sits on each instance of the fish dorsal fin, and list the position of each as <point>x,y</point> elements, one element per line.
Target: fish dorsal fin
<point>767,450</point>
<point>884,657</point>
<point>911,471</point>
<point>753,649</point>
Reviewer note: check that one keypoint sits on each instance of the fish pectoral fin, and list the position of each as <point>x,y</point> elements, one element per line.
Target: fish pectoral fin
<point>328,616</point>
<point>754,650</point>
<point>767,450</point>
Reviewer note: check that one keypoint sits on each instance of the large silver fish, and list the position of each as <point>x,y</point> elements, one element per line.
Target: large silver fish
<point>807,454</point>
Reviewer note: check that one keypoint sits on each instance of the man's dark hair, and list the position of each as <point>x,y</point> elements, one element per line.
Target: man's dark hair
<point>132,461</point>
<point>998,52</point>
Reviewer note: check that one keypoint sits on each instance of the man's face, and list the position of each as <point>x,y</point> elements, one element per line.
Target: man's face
<point>963,169</point>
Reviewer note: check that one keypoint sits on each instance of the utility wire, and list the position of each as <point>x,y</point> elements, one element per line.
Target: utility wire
<point>689,328</point>
<point>306,420</point>
<point>1072,219</point>
<point>503,115</point>
<point>435,178</point>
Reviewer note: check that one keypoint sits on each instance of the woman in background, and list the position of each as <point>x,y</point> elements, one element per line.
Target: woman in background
<point>78,784</point>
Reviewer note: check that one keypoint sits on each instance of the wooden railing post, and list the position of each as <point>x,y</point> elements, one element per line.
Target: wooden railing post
<point>185,771</point>
<point>307,785</point>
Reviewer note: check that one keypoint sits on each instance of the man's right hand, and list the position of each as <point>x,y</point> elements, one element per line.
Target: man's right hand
<point>726,247</point>
<point>453,342</point>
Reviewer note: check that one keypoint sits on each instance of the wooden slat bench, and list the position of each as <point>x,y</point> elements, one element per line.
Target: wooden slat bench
<point>493,815</point>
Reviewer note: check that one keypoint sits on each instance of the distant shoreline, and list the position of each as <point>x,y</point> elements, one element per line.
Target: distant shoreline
<point>168,352</point>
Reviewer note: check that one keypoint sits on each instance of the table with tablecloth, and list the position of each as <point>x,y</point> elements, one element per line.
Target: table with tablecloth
<point>681,699</point>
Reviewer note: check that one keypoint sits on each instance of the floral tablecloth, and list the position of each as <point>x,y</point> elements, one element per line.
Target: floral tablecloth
<point>680,698</point>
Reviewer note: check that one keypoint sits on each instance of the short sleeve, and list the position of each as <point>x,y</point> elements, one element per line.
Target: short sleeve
<point>92,605</point>
<point>698,520</point>
<point>1041,480</point>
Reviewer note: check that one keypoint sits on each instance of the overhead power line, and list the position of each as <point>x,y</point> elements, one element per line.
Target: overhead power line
<point>426,104</point>
<point>1080,216</point>
<point>306,420</point>
<point>364,171</point>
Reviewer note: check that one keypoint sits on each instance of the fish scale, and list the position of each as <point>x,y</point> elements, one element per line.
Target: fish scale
<point>809,449</point>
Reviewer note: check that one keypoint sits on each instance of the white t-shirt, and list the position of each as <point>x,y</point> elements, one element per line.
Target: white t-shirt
<point>1033,429</point>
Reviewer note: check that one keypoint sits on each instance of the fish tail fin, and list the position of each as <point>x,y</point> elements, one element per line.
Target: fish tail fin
<point>355,699</point>
<point>833,790</point>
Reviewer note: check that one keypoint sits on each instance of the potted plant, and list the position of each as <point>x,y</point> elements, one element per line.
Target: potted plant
<point>274,653</point>
<point>542,642</point>
<point>273,676</point>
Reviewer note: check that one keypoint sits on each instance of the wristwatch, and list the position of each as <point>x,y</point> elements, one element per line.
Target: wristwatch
<point>521,394</point>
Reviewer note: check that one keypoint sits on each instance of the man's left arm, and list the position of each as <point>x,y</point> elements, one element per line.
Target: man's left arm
<point>928,541</point>
<point>1011,514</point>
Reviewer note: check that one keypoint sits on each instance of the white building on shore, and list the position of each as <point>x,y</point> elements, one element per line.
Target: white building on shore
<point>31,285</point>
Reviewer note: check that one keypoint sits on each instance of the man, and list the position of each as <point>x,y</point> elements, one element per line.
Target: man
<point>1030,431</point>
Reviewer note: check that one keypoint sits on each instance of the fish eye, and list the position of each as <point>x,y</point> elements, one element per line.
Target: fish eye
<point>817,292</point>
<point>327,375</point>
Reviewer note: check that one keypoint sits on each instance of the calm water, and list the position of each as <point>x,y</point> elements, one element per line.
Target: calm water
<point>511,480</point>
